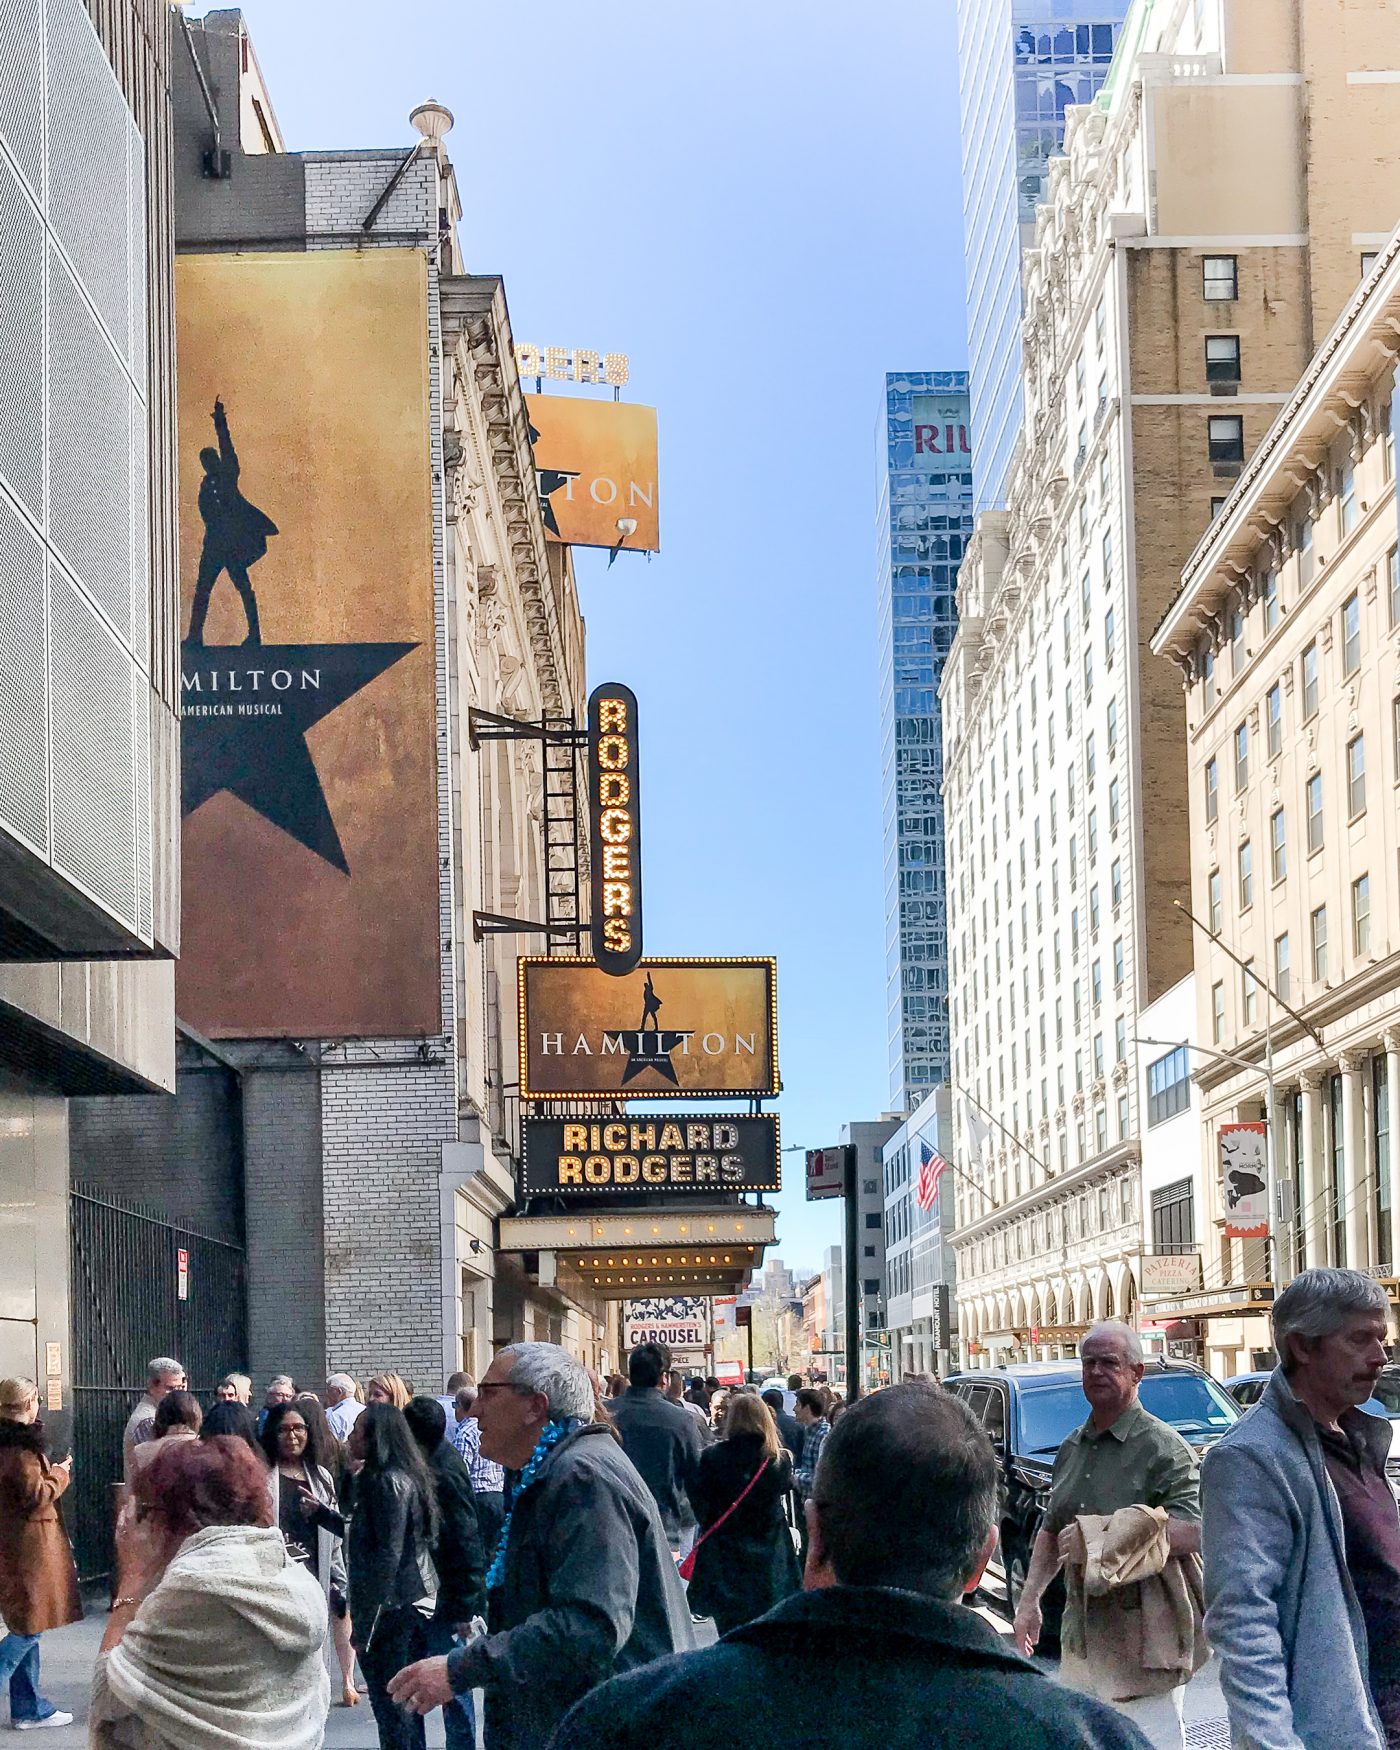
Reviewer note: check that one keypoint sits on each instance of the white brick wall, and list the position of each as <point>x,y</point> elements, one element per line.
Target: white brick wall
<point>383,1128</point>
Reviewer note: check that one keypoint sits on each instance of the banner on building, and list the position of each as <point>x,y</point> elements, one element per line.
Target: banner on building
<point>688,1027</point>
<point>309,737</point>
<point>680,1322</point>
<point>1171,1273</point>
<point>670,1152</point>
<point>596,466</point>
<point>1244,1179</point>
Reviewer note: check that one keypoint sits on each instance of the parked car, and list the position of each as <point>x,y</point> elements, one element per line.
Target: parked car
<point>1248,1388</point>
<point>1031,1409</point>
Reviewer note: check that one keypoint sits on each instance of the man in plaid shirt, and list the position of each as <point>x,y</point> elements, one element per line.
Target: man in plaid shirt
<point>488,1479</point>
<point>810,1413</point>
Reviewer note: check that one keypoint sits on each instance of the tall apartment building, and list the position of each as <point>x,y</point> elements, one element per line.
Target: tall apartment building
<point>89,751</point>
<point>1021,63</point>
<point>1287,631</point>
<point>923,519</point>
<point>1205,227</point>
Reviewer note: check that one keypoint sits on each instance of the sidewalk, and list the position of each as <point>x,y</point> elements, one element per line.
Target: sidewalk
<point>67,1657</point>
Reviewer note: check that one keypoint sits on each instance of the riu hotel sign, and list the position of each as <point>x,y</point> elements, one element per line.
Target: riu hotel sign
<point>615,825</point>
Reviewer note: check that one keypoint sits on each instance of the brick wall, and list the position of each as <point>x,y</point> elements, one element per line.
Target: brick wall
<point>382,1130</point>
<point>286,1241</point>
<point>181,1155</point>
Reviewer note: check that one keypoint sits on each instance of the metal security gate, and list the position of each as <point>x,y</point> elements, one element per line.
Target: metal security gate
<point>126,1281</point>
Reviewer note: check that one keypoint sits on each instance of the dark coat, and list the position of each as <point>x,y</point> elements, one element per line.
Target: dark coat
<point>860,1667</point>
<point>665,1443</point>
<point>457,1555</point>
<point>791,1432</point>
<point>748,1565</point>
<point>387,1549</point>
<point>590,1589</point>
<point>38,1582</point>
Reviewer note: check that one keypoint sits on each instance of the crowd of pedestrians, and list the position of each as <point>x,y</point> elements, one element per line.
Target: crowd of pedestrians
<point>550,1541</point>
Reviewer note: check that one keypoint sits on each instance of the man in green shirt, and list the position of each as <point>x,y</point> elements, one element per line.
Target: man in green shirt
<point>1121,1457</point>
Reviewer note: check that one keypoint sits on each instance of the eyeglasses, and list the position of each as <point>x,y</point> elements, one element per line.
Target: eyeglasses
<point>504,1385</point>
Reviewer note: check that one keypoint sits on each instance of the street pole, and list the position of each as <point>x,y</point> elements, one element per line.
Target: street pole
<point>851,1185</point>
<point>751,1367</point>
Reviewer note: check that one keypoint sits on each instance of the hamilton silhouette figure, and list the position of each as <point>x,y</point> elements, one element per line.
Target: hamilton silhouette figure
<point>651,1007</point>
<point>235,533</point>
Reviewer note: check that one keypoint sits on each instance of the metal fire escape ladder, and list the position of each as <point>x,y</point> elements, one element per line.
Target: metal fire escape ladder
<point>563,911</point>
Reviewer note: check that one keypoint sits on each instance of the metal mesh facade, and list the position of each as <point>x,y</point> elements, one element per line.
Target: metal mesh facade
<point>74,511</point>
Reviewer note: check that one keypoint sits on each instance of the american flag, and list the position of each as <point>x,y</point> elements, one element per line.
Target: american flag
<point>931,1165</point>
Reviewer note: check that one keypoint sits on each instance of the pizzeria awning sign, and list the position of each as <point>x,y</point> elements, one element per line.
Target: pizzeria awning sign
<point>1244,1179</point>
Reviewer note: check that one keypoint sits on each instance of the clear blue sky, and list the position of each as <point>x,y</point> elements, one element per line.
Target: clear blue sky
<point>760,204</point>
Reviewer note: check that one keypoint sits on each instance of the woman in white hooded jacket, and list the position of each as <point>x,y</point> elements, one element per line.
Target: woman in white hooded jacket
<point>214,1641</point>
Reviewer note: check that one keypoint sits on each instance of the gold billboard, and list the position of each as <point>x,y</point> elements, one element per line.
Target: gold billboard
<point>309,738</point>
<point>688,1027</point>
<point>596,465</point>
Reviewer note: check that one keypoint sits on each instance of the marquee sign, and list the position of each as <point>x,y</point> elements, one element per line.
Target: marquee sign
<point>670,1152</point>
<point>688,1027</point>
<point>679,1321</point>
<point>615,824</point>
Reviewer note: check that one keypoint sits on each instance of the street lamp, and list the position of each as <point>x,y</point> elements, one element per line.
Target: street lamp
<point>1270,1154</point>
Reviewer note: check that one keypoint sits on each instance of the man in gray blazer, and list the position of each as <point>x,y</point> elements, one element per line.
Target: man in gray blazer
<point>1301,1537</point>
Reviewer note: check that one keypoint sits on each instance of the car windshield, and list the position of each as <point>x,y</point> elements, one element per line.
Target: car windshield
<point>1194,1406</point>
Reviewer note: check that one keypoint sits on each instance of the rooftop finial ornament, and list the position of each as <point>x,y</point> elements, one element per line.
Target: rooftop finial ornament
<point>432,119</point>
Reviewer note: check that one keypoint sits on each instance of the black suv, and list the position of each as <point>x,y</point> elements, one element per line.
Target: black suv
<point>1030,1410</point>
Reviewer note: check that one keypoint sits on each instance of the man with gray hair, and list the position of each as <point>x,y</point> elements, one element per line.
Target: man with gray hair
<point>583,1584</point>
<point>163,1374</point>
<point>1302,1536</point>
<point>1120,1457</point>
<point>343,1405</point>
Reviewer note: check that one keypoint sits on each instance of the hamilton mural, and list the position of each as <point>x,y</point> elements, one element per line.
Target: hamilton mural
<point>309,723</point>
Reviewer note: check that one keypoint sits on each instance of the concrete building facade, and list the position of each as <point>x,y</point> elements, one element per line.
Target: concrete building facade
<point>1287,633</point>
<point>1170,308</point>
<point>919,1263</point>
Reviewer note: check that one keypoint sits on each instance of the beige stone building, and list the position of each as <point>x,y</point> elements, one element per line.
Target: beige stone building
<point>1213,213</point>
<point>1287,629</point>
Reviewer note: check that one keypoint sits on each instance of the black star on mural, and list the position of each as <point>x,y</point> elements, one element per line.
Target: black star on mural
<point>246,711</point>
<point>648,1051</point>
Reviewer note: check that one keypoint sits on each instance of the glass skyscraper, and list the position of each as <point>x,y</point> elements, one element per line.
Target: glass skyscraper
<point>923,520</point>
<point>1020,62</point>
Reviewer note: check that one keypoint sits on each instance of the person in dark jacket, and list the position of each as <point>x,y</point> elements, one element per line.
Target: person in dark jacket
<point>903,1520</point>
<point>583,1584</point>
<point>457,1555</point>
<point>744,1559</point>
<point>392,1580</point>
<point>789,1432</point>
<point>662,1440</point>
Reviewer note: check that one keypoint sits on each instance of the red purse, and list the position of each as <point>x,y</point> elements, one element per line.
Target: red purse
<point>687,1567</point>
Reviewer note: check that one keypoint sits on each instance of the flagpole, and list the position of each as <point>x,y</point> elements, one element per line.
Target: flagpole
<point>992,1117</point>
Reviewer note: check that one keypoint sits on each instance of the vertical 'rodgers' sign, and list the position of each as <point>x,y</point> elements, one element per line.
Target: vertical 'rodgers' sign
<point>616,826</point>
